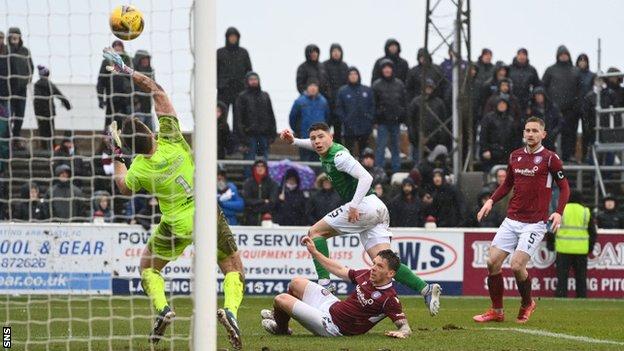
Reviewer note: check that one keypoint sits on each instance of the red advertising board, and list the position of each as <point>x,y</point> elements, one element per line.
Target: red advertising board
<point>605,274</point>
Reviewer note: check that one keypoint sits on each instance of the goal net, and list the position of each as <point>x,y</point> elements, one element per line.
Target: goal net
<point>70,242</point>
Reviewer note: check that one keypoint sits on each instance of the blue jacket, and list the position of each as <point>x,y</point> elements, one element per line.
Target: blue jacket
<point>233,206</point>
<point>307,111</point>
<point>355,107</point>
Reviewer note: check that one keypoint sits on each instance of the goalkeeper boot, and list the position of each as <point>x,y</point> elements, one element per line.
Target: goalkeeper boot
<point>525,312</point>
<point>163,320</point>
<point>267,314</point>
<point>432,298</point>
<point>490,315</point>
<point>271,326</point>
<point>228,320</point>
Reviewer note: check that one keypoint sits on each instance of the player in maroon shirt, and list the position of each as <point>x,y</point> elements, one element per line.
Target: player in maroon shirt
<point>530,173</point>
<point>324,314</point>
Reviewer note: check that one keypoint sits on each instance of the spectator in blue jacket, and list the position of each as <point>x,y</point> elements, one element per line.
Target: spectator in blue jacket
<point>355,108</point>
<point>309,108</point>
<point>230,201</point>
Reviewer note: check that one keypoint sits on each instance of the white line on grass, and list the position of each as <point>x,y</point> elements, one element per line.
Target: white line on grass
<point>558,335</point>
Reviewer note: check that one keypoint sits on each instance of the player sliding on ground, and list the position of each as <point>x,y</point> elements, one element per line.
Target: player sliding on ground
<point>164,166</point>
<point>363,212</point>
<point>530,173</point>
<point>324,314</point>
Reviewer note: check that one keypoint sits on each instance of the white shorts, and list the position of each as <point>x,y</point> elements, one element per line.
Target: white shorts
<point>513,235</point>
<point>313,311</point>
<point>372,226</point>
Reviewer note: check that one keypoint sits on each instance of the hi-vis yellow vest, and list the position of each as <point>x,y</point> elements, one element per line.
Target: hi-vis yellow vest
<point>572,236</point>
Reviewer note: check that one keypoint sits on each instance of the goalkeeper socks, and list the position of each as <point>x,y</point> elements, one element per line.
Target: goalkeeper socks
<point>321,245</point>
<point>496,289</point>
<point>233,289</point>
<point>524,288</point>
<point>154,286</point>
<point>406,277</point>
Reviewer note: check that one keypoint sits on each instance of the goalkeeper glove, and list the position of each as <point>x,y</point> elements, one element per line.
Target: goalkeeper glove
<point>113,142</point>
<point>118,65</point>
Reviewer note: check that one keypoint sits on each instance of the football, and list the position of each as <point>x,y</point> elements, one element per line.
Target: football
<point>126,22</point>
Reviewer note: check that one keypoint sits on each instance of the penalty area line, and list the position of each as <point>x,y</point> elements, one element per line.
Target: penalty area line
<point>558,335</point>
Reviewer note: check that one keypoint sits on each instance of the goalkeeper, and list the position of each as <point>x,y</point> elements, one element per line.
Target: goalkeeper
<point>164,166</point>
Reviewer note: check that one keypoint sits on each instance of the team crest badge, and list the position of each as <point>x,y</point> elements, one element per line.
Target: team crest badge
<point>537,160</point>
<point>325,292</point>
<point>519,158</point>
<point>375,295</point>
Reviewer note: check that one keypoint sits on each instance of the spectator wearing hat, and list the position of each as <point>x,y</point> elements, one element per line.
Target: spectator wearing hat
<point>390,112</point>
<point>609,217</point>
<point>115,90</point>
<point>337,71</point>
<point>20,75</point>
<point>424,70</point>
<point>323,201</point>
<point>367,159</point>
<point>355,108</point>
<point>435,123</point>
<point>142,62</point>
<point>437,158</point>
<point>524,77</point>
<point>313,69</point>
<point>392,52</point>
<point>66,200</point>
<point>541,106</point>
<point>405,207</point>
<point>504,91</point>
<point>101,205</point>
<point>447,206</point>
<point>485,68</point>
<point>498,135</point>
<point>586,75</point>
<point>43,102</point>
<point>490,86</point>
<point>260,193</point>
<point>254,118</point>
<point>233,63</point>
<point>309,108</point>
<point>34,208</point>
<point>290,207</point>
<point>231,202</point>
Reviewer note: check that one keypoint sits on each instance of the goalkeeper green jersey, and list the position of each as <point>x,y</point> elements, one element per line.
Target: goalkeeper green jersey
<point>336,163</point>
<point>168,175</point>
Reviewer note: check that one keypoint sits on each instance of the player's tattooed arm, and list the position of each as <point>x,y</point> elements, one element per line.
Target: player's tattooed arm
<point>162,104</point>
<point>403,331</point>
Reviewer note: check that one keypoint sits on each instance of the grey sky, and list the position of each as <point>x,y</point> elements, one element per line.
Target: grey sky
<point>69,36</point>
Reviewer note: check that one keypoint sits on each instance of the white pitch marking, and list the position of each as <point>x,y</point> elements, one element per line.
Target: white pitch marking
<point>559,335</point>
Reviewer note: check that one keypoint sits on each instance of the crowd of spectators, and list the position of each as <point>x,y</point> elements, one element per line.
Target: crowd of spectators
<point>370,120</point>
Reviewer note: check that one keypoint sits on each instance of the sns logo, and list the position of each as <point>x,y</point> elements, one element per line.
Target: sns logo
<point>422,255</point>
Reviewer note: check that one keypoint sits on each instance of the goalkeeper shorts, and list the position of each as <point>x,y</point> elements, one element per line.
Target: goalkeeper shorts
<point>165,244</point>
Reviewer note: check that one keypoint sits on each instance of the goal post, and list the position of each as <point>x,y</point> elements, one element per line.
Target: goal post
<point>205,148</point>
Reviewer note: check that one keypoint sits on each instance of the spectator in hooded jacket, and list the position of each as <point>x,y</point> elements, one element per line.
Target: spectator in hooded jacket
<point>337,71</point>
<point>225,139</point>
<point>230,201</point>
<point>437,158</point>
<point>233,63</point>
<point>290,208</point>
<point>423,71</point>
<point>562,82</point>
<point>541,106</point>
<point>142,62</point>
<point>490,86</point>
<point>260,193</point>
<point>447,203</point>
<point>504,90</point>
<point>367,159</point>
<point>312,69</point>
<point>524,77</point>
<point>256,121</point>
<point>102,207</point>
<point>493,220</point>
<point>498,135</point>
<point>436,124</point>
<point>355,108</point>
<point>609,217</point>
<point>392,51</point>
<point>390,112</point>
<point>405,207</point>
<point>485,68</point>
<point>21,72</point>
<point>66,200</point>
<point>34,208</point>
<point>309,108</point>
<point>115,90</point>
<point>323,201</point>
<point>4,75</point>
<point>45,91</point>
<point>587,76</point>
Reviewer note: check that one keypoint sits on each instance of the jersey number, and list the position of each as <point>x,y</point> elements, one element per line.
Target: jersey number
<point>187,188</point>
<point>532,238</point>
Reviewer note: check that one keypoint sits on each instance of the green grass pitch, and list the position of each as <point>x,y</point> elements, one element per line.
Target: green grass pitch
<point>104,323</point>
